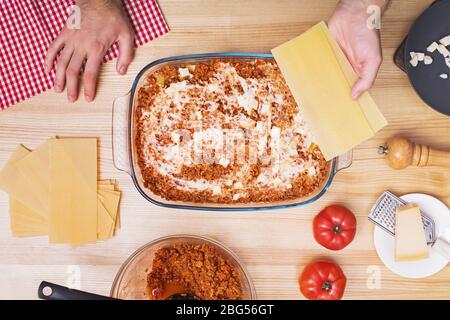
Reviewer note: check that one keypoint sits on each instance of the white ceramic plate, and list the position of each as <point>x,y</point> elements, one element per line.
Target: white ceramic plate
<point>385,243</point>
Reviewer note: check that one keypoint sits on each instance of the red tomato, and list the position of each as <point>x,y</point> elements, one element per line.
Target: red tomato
<point>322,280</point>
<point>334,227</point>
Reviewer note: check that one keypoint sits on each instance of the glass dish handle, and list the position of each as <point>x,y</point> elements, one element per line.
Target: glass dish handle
<point>344,161</point>
<point>120,138</point>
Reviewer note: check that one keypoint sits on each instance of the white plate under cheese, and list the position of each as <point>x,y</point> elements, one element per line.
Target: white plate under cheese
<point>385,242</point>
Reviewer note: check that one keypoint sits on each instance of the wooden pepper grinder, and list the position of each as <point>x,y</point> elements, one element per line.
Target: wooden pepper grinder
<point>401,153</point>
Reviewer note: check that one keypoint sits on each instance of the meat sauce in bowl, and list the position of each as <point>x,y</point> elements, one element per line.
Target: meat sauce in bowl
<point>193,270</point>
<point>185,266</point>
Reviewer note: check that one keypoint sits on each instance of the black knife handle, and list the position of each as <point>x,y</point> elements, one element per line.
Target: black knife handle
<point>51,291</point>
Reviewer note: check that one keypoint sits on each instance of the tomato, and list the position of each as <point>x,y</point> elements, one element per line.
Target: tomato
<point>322,280</point>
<point>334,227</point>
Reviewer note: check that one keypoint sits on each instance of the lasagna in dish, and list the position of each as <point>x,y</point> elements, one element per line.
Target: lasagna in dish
<point>224,132</point>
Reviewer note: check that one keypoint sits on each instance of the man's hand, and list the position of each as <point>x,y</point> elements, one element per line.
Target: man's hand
<point>360,44</point>
<point>103,22</point>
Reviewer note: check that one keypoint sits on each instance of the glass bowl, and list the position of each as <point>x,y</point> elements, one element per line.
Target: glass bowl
<point>131,280</point>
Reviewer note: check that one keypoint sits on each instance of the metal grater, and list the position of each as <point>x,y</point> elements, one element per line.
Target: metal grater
<point>383,215</point>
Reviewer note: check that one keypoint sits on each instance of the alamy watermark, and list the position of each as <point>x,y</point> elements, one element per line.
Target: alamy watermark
<point>74,20</point>
<point>374,20</point>
<point>373,281</point>
<point>196,144</point>
<point>73,280</point>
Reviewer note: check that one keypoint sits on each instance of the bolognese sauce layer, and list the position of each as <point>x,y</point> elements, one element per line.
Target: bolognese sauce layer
<point>224,132</point>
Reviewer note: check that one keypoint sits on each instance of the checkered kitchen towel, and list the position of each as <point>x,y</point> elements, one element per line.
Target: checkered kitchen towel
<point>27,27</point>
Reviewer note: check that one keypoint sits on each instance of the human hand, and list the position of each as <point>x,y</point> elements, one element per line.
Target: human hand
<point>103,22</point>
<point>360,44</point>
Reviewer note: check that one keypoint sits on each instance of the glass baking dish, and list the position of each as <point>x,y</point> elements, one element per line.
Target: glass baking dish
<point>124,153</point>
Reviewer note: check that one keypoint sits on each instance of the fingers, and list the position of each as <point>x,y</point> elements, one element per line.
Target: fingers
<point>96,54</point>
<point>90,75</point>
<point>69,66</point>
<point>126,52</point>
<point>367,76</point>
<point>71,60</point>
<point>61,66</point>
<point>72,73</point>
<point>53,51</point>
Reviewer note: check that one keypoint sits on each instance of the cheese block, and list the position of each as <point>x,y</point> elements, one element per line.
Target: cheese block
<point>410,242</point>
<point>321,78</point>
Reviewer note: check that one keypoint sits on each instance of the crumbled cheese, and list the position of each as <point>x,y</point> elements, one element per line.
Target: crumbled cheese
<point>224,162</point>
<point>260,126</point>
<point>265,108</point>
<point>177,87</point>
<point>290,170</point>
<point>238,185</point>
<point>262,179</point>
<point>212,139</point>
<point>414,61</point>
<point>166,169</point>
<point>444,76</point>
<point>275,132</point>
<point>277,181</point>
<point>175,136</point>
<point>199,185</point>
<point>212,87</point>
<point>248,101</point>
<point>245,122</point>
<point>171,152</point>
<point>443,50</point>
<point>428,60</point>
<point>184,72</point>
<point>279,99</point>
<point>217,190</point>
<point>275,143</point>
<point>312,171</point>
<point>292,151</point>
<point>445,41</point>
<point>236,196</point>
<point>419,56</point>
<point>432,47</point>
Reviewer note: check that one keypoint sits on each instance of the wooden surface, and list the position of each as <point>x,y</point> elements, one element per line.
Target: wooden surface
<point>274,245</point>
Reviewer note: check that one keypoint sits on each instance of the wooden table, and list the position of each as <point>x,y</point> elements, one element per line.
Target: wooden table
<point>274,245</point>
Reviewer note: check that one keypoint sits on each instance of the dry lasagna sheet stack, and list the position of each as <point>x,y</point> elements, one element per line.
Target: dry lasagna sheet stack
<point>54,191</point>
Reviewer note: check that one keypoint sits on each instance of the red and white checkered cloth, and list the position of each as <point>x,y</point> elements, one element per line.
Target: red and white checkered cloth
<point>27,28</point>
